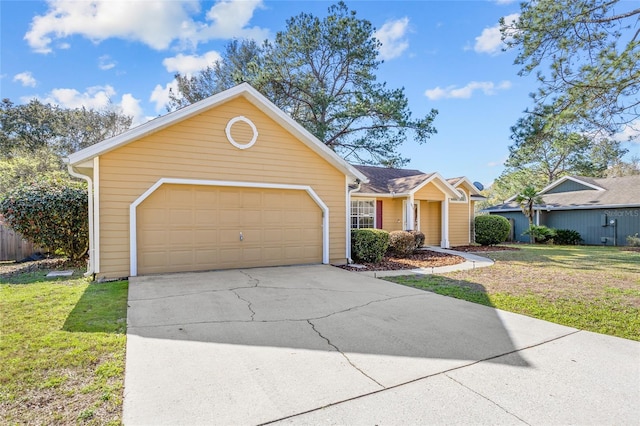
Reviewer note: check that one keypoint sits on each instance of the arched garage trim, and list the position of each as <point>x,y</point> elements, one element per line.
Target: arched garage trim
<point>133,221</point>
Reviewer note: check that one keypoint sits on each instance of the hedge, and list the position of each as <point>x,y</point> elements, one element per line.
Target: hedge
<point>369,245</point>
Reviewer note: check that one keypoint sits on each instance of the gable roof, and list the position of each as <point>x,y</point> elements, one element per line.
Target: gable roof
<point>598,193</point>
<point>242,90</point>
<point>401,182</point>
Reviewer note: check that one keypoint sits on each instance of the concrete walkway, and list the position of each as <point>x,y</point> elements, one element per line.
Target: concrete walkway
<point>321,345</point>
<point>472,261</point>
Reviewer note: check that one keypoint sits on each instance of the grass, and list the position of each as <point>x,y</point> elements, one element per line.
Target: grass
<point>62,350</point>
<point>589,288</point>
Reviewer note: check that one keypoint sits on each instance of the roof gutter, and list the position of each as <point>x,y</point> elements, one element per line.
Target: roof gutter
<point>90,265</point>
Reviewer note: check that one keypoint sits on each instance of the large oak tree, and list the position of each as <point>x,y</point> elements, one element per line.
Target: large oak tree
<point>322,72</point>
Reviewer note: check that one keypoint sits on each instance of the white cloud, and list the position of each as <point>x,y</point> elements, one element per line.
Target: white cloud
<point>156,23</point>
<point>392,36</point>
<point>188,64</point>
<point>504,1</point>
<point>97,98</point>
<point>26,79</point>
<point>490,40</point>
<point>454,92</point>
<point>160,95</point>
<point>106,63</point>
<point>630,133</point>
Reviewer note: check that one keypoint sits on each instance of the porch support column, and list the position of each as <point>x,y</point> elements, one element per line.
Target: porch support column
<point>444,243</point>
<point>410,219</point>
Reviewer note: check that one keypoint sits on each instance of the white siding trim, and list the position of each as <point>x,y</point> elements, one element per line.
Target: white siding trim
<point>444,243</point>
<point>133,230</point>
<point>96,214</point>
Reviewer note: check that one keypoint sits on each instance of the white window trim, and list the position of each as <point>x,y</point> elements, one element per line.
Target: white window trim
<point>375,212</point>
<point>133,220</point>
<point>461,201</point>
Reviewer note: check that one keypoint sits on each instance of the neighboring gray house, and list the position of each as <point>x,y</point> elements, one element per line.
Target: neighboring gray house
<point>603,210</point>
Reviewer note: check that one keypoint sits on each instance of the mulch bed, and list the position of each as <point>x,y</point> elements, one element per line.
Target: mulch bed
<point>481,249</point>
<point>420,259</point>
<point>14,268</point>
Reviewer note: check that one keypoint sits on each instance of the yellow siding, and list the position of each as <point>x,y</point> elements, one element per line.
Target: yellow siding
<point>197,148</point>
<point>429,192</point>
<point>459,223</point>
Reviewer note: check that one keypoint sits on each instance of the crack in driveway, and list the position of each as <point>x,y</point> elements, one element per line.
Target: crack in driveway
<point>486,398</point>
<point>250,305</point>
<point>344,355</point>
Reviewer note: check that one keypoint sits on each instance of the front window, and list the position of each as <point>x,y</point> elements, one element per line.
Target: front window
<point>363,213</point>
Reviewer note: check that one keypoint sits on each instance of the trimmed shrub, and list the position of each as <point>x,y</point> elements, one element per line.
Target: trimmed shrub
<point>491,229</point>
<point>633,240</point>
<point>419,237</point>
<point>402,242</point>
<point>51,214</point>
<point>541,234</point>
<point>369,245</point>
<point>567,237</point>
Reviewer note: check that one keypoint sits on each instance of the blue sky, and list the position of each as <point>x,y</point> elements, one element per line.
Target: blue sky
<point>446,54</point>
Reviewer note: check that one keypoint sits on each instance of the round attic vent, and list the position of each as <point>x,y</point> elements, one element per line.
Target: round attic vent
<point>230,138</point>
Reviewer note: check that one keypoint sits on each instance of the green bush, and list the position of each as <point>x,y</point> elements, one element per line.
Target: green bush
<point>51,214</point>
<point>419,237</point>
<point>402,242</point>
<point>567,237</point>
<point>633,240</point>
<point>369,245</point>
<point>491,229</point>
<point>541,234</point>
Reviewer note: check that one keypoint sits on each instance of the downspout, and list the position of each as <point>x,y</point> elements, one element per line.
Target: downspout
<point>72,172</point>
<point>349,191</point>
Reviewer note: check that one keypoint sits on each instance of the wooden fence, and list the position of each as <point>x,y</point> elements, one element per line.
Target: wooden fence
<point>13,246</point>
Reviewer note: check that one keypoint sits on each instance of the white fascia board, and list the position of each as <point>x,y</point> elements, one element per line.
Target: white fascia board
<point>571,178</point>
<point>441,183</point>
<point>472,188</point>
<point>253,96</point>
<point>380,195</point>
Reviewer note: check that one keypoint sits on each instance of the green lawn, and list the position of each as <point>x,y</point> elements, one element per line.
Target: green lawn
<point>62,350</point>
<point>590,288</point>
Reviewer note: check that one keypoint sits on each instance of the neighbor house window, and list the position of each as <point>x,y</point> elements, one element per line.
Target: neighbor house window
<point>363,213</point>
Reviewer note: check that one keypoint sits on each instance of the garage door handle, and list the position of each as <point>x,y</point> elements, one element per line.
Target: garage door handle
<point>241,237</point>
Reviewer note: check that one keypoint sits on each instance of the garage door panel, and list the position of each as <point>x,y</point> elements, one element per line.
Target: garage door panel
<point>206,199</point>
<point>273,235</point>
<point>181,237</point>
<point>202,231</point>
<point>152,217</point>
<point>206,237</point>
<point>154,260</point>
<point>206,216</point>
<point>180,195</point>
<point>251,216</point>
<point>230,198</point>
<point>272,218</point>
<point>181,257</point>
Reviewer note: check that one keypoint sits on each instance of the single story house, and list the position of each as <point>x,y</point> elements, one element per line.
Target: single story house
<point>396,199</point>
<point>232,181</point>
<point>603,210</point>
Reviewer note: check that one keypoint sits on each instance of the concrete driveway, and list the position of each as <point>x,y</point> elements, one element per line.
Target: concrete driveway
<point>319,345</point>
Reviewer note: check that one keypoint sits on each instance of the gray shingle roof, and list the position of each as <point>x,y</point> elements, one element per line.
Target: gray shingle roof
<point>384,180</point>
<point>618,191</point>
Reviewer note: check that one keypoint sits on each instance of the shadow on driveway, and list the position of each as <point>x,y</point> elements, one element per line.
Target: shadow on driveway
<point>254,345</point>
